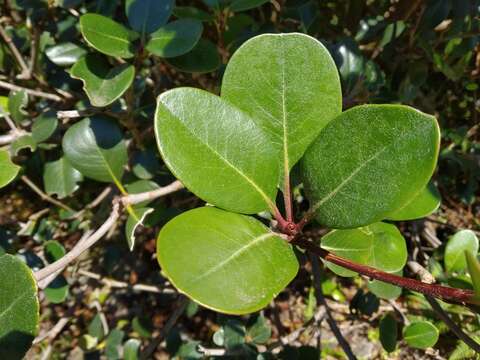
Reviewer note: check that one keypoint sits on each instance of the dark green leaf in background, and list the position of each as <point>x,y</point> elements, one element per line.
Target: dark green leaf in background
<point>388,332</point>
<point>146,16</point>
<point>44,126</point>
<point>203,58</point>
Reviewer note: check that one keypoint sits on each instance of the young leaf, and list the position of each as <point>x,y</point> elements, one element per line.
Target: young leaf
<point>8,170</point>
<point>203,58</point>
<point>175,38</point>
<point>217,151</point>
<point>108,36</point>
<point>368,162</point>
<point>464,240</point>
<point>388,333</point>
<point>61,178</point>
<point>227,262</point>
<point>102,83</point>
<point>474,271</point>
<point>65,54</point>
<point>95,147</point>
<point>18,308</point>
<point>287,83</point>
<point>421,334</point>
<point>44,126</point>
<point>378,245</point>
<point>133,222</point>
<point>146,16</point>
<point>423,204</point>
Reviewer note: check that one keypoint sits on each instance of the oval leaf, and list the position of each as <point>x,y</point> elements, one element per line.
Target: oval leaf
<point>464,240</point>
<point>204,57</point>
<point>102,83</point>
<point>95,147</point>
<point>8,170</point>
<point>217,151</point>
<point>108,36</point>
<point>388,333</point>
<point>146,16</point>
<point>368,162</point>
<point>226,262</point>
<point>65,54</point>
<point>61,178</point>
<point>18,308</point>
<point>421,334</point>
<point>378,245</point>
<point>423,204</point>
<point>266,78</point>
<point>175,38</point>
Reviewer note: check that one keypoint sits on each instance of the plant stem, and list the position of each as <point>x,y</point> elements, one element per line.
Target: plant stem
<point>287,197</point>
<point>438,291</point>
<point>42,94</point>
<point>133,199</point>
<point>16,54</point>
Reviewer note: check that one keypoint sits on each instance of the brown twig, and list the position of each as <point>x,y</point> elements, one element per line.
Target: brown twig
<point>133,199</point>
<point>44,196</point>
<point>37,93</point>
<point>25,74</point>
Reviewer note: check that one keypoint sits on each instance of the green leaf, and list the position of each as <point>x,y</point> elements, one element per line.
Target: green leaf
<point>421,205</point>
<point>384,290</point>
<point>95,147</point>
<point>17,101</point>
<point>421,334</point>
<point>65,54</point>
<point>114,344</point>
<point>388,333</point>
<point>378,245</point>
<point>108,36</point>
<point>61,178</point>
<point>23,142</point>
<point>260,332</point>
<point>242,5</point>
<point>145,163</point>
<point>227,262</point>
<point>464,240</point>
<point>175,38</point>
<point>8,170</point>
<point>190,12</point>
<point>53,251</point>
<point>18,308</point>
<point>44,126</point>
<point>131,349</point>
<point>474,271</point>
<point>133,222</point>
<point>146,16</point>
<point>217,151</point>
<point>102,83</point>
<point>233,333</point>
<point>203,58</point>
<point>95,328</point>
<point>368,162</point>
<point>289,85</point>
<point>140,186</point>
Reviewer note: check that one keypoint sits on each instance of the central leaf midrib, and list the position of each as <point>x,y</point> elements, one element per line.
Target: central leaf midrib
<point>106,35</point>
<point>250,181</point>
<point>233,256</point>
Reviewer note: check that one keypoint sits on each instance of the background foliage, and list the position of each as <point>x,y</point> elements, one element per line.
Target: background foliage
<point>422,53</point>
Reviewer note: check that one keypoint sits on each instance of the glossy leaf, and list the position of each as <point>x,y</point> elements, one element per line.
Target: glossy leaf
<point>388,333</point>
<point>61,178</point>
<point>378,245</point>
<point>289,85</point>
<point>224,261</point>
<point>421,205</point>
<point>133,222</point>
<point>44,126</point>
<point>8,170</point>
<point>146,16</point>
<point>464,240</point>
<point>421,334</point>
<point>102,83</point>
<point>65,54</point>
<point>95,147</point>
<point>203,58</point>
<point>242,5</point>
<point>368,162</point>
<point>108,36</point>
<point>217,151</point>
<point>18,308</point>
<point>176,38</point>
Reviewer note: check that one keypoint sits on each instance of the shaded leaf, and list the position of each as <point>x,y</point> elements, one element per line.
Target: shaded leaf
<point>224,261</point>
<point>225,158</point>
<point>242,5</point>
<point>44,126</point>
<point>204,57</point>
<point>146,16</point>
<point>388,332</point>
<point>61,178</point>
<point>102,83</point>
<point>190,12</point>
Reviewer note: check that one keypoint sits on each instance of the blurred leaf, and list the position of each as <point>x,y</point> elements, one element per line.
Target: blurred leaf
<point>95,147</point>
<point>474,271</point>
<point>61,178</point>
<point>108,36</point>
<point>102,83</point>
<point>259,332</point>
<point>176,38</point>
<point>95,328</point>
<point>114,344</point>
<point>388,333</point>
<point>365,303</point>
<point>53,251</point>
<point>131,349</point>
<point>203,58</point>
<point>242,5</point>
<point>464,240</point>
<point>190,12</point>
<point>421,334</point>
<point>146,16</point>
<point>65,54</point>
<point>233,333</point>
<point>8,170</point>
<point>57,291</point>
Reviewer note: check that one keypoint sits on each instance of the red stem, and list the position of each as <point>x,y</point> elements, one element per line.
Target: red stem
<point>438,291</point>
<point>287,198</point>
